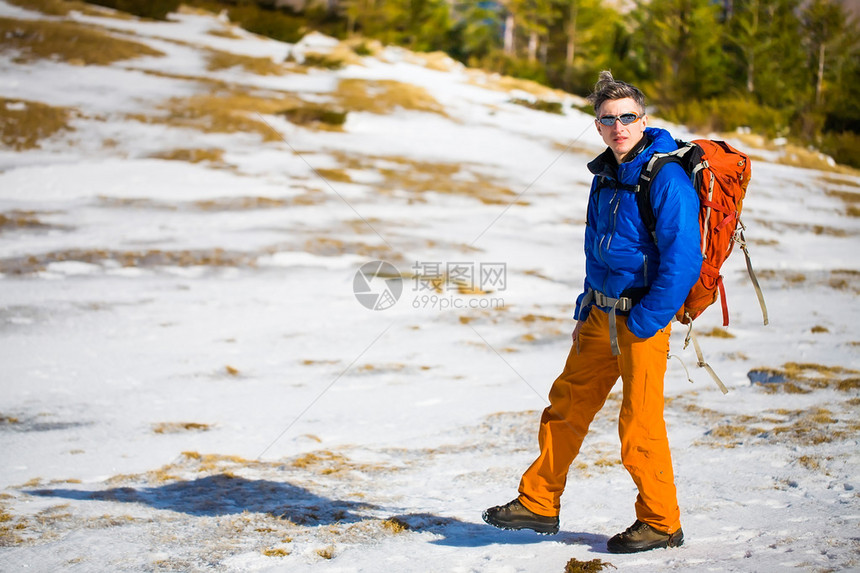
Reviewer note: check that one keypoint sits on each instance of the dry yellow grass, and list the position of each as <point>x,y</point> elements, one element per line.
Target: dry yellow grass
<point>508,84</point>
<point>24,124</point>
<point>395,525</point>
<point>843,181</point>
<point>384,96</point>
<point>22,220</point>
<point>228,33</point>
<point>326,552</point>
<point>717,332</point>
<point>218,60</point>
<point>401,174</point>
<point>141,259</point>
<point>850,198</point>
<point>66,41</point>
<point>797,156</point>
<point>317,117</point>
<point>592,566</point>
<point>224,110</point>
<point>63,7</point>
<point>327,246</point>
<point>178,427</point>
<point>214,156</point>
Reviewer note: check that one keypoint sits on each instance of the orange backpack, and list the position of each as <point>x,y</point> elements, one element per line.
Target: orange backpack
<point>720,174</point>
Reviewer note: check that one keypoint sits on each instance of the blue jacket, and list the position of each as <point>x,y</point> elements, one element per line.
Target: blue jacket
<point>621,257</point>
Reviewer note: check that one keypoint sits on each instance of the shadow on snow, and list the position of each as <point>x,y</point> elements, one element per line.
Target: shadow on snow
<point>223,494</point>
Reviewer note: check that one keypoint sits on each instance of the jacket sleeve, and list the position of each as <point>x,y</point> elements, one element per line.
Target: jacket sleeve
<point>676,207</point>
<point>579,312</point>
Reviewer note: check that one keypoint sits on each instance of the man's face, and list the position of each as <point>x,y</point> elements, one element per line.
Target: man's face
<point>620,138</point>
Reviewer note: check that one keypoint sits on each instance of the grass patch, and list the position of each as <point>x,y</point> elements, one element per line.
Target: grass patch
<point>850,198</point>
<point>395,525</point>
<point>155,9</point>
<point>415,178</point>
<point>554,107</point>
<point>323,462</point>
<point>797,156</point>
<point>21,220</point>
<point>328,247</point>
<point>24,124</point>
<point>593,566</point>
<point>225,33</point>
<point>795,377</point>
<point>323,61</point>
<point>140,259</point>
<point>250,203</point>
<point>329,463</point>
<point>226,111</point>
<point>261,66</point>
<point>59,7</point>
<point>179,427</point>
<point>315,116</point>
<point>538,318</point>
<point>326,552</point>
<point>508,84</point>
<point>838,181</point>
<point>68,42</point>
<point>384,96</point>
<point>793,427</point>
<point>838,279</point>
<point>437,61</point>
<point>215,156</point>
<point>717,332</point>
<point>276,552</point>
<point>818,329</point>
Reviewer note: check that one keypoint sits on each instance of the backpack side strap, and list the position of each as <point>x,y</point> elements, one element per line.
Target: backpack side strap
<point>741,240</point>
<point>700,359</point>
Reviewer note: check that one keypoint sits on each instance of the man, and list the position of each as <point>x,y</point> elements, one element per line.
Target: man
<point>634,284</point>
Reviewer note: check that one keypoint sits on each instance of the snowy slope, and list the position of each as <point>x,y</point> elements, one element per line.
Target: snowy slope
<point>189,382</point>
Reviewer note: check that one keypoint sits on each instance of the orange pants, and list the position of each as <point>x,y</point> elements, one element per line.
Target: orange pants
<point>577,395</point>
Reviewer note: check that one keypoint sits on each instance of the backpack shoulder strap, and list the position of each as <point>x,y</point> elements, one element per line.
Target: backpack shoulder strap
<point>687,156</point>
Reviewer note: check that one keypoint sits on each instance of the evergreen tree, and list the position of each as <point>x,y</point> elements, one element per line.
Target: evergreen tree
<point>765,37</point>
<point>481,29</point>
<point>534,18</point>
<point>586,37</point>
<point>682,43</point>
<point>825,25</point>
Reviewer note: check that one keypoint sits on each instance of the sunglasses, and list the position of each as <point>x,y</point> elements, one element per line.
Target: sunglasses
<point>624,118</point>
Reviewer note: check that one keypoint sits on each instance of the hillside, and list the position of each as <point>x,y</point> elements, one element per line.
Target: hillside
<point>190,382</point>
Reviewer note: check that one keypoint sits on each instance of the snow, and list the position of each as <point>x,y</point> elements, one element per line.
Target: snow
<point>189,382</point>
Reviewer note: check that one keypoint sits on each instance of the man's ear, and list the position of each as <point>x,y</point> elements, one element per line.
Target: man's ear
<point>597,126</point>
<point>644,121</point>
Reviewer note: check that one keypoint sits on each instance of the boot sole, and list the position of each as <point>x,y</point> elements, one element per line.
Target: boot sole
<point>539,528</point>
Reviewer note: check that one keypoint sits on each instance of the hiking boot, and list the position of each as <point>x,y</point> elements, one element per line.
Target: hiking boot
<point>514,515</point>
<point>642,537</point>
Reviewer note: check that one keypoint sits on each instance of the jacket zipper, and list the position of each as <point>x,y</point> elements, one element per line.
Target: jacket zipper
<point>614,218</point>
<point>601,248</point>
